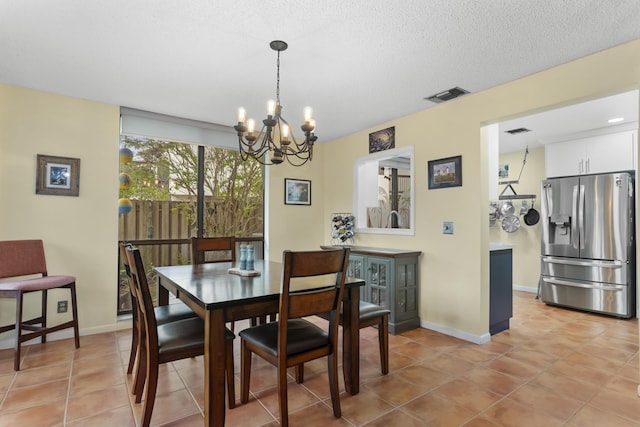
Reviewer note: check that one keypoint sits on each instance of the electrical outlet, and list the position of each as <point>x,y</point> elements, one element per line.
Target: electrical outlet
<point>447,227</point>
<point>62,306</point>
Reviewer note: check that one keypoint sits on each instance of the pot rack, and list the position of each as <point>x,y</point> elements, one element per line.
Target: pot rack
<point>511,193</point>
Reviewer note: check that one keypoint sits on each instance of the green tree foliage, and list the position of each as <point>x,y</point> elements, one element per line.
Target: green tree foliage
<point>165,170</point>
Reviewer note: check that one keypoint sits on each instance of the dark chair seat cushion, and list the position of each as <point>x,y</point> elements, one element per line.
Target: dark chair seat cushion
<point>184,335</point>
<point>370,311</point>
<point>303,336</point>
<point>37,284</point>
<point>173,312</point>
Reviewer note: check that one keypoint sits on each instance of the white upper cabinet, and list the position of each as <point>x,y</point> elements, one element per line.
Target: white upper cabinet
<point>612,152</point>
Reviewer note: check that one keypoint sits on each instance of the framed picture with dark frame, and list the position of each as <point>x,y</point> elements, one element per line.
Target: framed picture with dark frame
<point>297,192</point>
<point>445,173</point>
<point>381,140</point>
<point>59,176</point>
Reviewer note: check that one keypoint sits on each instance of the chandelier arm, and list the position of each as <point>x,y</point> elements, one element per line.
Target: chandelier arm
<point>259,137</point>
<point>298,145</point>
<point>293,163</point>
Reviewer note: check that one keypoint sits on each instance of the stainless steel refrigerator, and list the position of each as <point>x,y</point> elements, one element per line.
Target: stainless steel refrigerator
<point>588,246</point>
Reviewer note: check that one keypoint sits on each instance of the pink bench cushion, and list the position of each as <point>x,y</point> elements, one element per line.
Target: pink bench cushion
<point>37,284</point>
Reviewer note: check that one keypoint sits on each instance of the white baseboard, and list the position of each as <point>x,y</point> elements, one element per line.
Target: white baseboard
<point>476,339</point>
<point>525,289</point>
<point>9,340</point>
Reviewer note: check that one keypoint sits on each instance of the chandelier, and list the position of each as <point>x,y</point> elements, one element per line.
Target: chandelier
<point>275,141</point>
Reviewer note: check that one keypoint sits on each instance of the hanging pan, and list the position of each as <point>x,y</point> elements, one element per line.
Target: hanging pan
<point>510,223</point>
<point>532,216</point>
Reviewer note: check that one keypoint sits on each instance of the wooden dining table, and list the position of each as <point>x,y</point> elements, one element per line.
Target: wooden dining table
<point>219,297</point>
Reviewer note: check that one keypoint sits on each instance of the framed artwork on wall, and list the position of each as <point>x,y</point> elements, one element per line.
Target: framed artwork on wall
<point>381,140</point>
<point>59,176</point>
<point>297,192</point>
<point>445,173</point>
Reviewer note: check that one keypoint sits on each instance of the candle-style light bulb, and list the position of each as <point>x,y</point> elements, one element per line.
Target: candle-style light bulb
<point>271,107</point>
<point>307,114</point>
<point>285,132</point>
<point>312,123</point>
<point>241,115</point>
<point>251,125</point>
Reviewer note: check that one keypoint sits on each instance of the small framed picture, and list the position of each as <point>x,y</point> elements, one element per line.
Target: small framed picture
<point>381,140</point>
<point>59,176</point>
<point>297,192</point>
<point>445,173</point>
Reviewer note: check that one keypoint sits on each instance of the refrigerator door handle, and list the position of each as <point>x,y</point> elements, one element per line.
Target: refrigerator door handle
<point>592,263</point>
<point>548,193</point>
<point>575,238</point>
<point>615,288</point>
<point>581,216</point>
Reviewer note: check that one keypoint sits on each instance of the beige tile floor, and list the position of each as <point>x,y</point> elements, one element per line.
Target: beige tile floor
<point>553,367</point>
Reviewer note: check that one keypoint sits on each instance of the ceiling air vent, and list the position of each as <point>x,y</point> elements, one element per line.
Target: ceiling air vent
<point>447,95</point>
<point>518,130</point>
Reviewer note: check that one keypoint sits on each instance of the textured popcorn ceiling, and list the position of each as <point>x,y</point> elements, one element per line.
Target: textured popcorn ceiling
<point>358,63</point>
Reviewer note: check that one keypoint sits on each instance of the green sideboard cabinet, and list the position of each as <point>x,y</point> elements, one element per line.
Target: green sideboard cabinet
<point>392,281</point>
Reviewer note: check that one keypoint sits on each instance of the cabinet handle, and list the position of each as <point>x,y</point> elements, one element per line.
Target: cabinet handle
<point>587,168</point>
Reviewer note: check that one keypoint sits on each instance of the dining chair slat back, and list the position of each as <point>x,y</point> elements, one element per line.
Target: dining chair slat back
<point>223,248</point>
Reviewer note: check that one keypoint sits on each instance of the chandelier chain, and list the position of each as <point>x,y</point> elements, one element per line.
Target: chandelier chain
<point>278,81</point>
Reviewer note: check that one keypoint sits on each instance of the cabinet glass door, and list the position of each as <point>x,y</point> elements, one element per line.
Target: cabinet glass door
<point>356,266</point>
<point>378,281</point>
<point>356,269</point>
<point>406,303</point>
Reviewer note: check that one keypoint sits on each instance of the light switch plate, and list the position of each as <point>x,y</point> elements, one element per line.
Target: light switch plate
<point>447,227</point>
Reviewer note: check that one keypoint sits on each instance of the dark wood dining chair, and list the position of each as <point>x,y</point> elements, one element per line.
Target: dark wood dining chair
<point>370,315</point>
<point>217,249</point>
<point>375,315</point>
<point>223,249</point>
<point>20,261</point>
<point>378,316</point>
<point>312,282</point>
<point>164,314</point>
<point>168,342</point>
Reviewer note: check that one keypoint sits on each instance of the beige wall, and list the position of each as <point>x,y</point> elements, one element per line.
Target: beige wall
<point>454,270</point>
<point>294,227</point>
<point>525,241</point>
<point>79,233</point>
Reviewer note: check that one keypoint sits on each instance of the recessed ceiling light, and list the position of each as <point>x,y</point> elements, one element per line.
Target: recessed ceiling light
<point>615,120</point>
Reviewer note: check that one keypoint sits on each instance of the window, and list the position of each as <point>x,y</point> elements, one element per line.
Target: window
<point>160,200</point>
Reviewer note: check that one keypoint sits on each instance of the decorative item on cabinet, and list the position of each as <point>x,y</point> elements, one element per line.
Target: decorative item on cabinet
<point>342,229</point>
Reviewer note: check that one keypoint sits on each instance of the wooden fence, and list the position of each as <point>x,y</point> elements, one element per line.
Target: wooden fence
<point>162,232</point>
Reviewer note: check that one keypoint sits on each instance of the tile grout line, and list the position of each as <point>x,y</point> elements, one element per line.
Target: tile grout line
<point>66,401</point>
<point>184,383</point>
<point>9,388</point>
<point>124,365</point>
